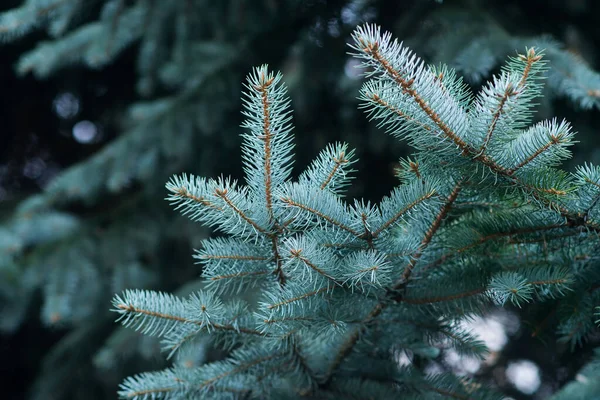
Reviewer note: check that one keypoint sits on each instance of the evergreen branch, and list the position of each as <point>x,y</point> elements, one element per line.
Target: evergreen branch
<point>529,59</point>
<point>156,306</point>
<point>297,298</point>
<point>507,93</point>
<point>297,253</point>
<point>272,321</point>
<point>543,239</point>
<point>347,347</point>
<point>183,193</point>
<point>319,214</point>
<point>266,137</point>
<point>499,235</point>
<point>330,170</point>
<point>549,282</point>
<point>395,110</point>
<point>268,144</point>
<point>223,327</point>
<point>301,361</point>
<point>437,222</point>
<point>554,140</point>
<point>372,50</point>
<point>591,182</point>
<point>232,328</point>
<point>238,257</point>
<point>222,193</point>
<point>407,86</point>
<point>400,213</point>
<point>131,309</point>
<point>150,392</point>
<point>338,162</point>
<point>240,368</point>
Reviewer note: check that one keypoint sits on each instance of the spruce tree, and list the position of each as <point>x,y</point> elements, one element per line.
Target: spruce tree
<point>101,226</point>
<point>336,290</point>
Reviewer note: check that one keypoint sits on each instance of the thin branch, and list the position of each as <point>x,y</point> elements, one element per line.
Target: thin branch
<point>185,194</point>
<point>239,369</point>
<point>400,213</point>
<point>554,140</point>
<point>297,253</point>
<point>297,298</point>
<point>407,87</point>
<point>148,392</point>
<point>222,193</point>
<point>591,182</point>
<point>507,93</point>
<point>376,98</point>
<point>530,59</point>
<point>319,214</point>
<point>515,232</point>
<point>238,275</point>
<point>437,222</point>
<point>266,137</point>
<point>349,344</point>
<point>231,257</point>
<point>339,161</point>
<point>132,309</point>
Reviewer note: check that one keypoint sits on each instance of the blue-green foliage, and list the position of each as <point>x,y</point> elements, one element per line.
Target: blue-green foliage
<point>64,245</point>
<point>474,42</point>
<point>482,217</point>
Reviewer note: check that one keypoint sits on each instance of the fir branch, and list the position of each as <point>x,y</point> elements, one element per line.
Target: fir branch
<point>377,99</point>
<point>507,93</point>
<point>348,345</point>
<point>529,60</point>
<point>157,306</point>
<point>222,193</point>
<point>338,160</point>
<point>437,222</point>
<point>372,49</point>
<point>402,212</point>
<point>554,140</point>
<point>264,83</point>
<point>240,368</point>
<point>238,257</point>
<point>183,194</point>
<point>297,253</point>
<point>292,203</point>
<point>515,232</point>
<point>369,43</point>
<point>297,298</point>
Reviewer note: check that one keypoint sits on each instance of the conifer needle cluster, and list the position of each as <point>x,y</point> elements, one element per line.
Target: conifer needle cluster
<point>317,296</point>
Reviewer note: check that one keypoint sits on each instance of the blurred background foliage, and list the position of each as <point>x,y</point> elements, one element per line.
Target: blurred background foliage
<point>103,100</point>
